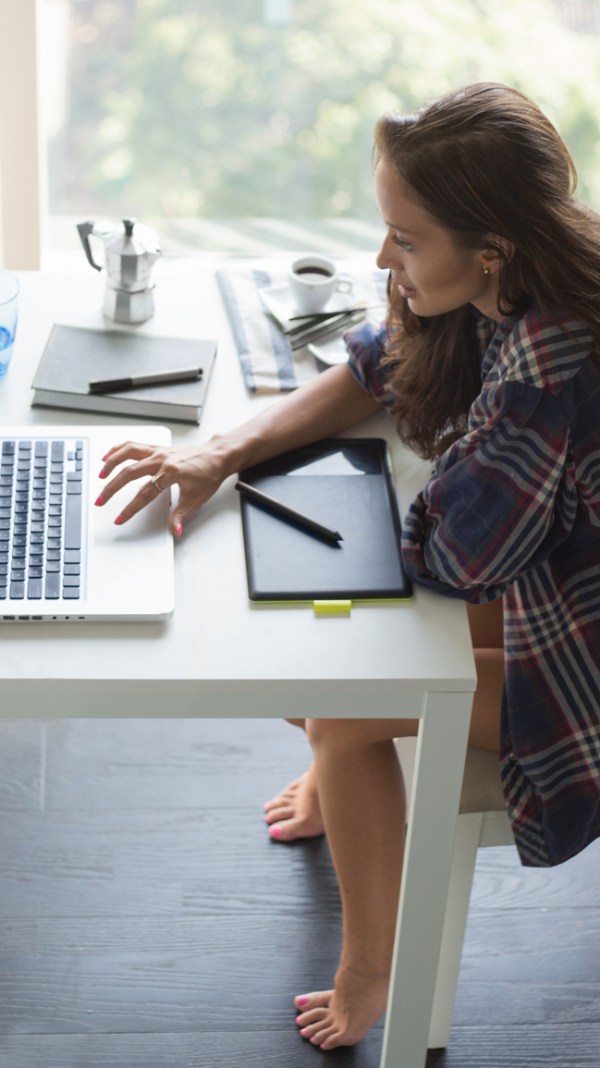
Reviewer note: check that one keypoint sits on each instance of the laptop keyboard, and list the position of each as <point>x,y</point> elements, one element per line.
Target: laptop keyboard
<point>41,484</point>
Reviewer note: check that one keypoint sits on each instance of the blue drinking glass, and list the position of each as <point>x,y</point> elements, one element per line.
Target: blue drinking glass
<point>9,307</point>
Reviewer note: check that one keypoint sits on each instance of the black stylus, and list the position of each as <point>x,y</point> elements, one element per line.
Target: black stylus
<point>282,511</point>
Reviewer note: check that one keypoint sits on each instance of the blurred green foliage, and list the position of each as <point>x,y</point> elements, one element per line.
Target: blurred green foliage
<point>238,108</point>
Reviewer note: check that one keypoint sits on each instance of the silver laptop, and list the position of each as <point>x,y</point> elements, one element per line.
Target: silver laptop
<point>61,557</point>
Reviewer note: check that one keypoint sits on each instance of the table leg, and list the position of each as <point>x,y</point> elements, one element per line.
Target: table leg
<point>440,758</point>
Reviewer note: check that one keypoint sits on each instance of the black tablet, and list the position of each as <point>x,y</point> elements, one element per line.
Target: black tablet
<point>344,485</point>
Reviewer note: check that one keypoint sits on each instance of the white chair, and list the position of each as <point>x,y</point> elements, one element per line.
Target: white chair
<point>482,822</point>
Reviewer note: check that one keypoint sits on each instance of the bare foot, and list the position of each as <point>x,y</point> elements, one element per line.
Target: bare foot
<point>295,812</point>
<point>341,1017</point>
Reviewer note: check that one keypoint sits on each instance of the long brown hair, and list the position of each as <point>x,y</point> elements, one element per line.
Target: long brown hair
<point>485,161</point>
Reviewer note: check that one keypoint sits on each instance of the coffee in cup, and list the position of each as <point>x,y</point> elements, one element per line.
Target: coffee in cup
<point>313,280</point>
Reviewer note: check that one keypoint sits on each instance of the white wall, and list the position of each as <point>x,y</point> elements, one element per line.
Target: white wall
<point>21,188</point>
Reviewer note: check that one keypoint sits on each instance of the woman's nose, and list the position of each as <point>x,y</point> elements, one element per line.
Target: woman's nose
<point>384,260</point>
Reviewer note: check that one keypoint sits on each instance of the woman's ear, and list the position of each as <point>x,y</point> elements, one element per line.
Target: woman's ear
<point>496,254</point>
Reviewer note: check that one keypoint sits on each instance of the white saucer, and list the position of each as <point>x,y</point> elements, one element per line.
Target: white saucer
<point>329,352</point>
<point>279,302</point>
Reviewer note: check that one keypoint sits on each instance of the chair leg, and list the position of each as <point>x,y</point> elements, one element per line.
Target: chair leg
<point>466,842</point>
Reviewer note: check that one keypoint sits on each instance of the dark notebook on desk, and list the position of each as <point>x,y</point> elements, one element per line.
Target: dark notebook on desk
<point>75,356</point>
<point>345,485</point>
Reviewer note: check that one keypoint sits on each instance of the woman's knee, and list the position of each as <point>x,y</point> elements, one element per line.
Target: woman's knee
<point>336,732</point>
<point>355,733</point>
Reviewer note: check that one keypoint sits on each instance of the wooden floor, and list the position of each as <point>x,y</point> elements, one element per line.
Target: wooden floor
<point>148,922</point>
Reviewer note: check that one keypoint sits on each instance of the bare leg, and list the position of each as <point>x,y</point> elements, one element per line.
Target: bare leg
<point>487,635</point>
<point>361,795</point>
<point>363,804</point>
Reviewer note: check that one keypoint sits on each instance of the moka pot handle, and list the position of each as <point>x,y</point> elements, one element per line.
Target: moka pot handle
<point>85,229</point>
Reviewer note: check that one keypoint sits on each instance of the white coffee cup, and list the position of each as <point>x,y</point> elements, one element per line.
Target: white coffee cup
<point>313,280</point>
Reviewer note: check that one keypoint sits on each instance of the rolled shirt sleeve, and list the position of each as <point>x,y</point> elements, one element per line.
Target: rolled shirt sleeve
<point>366,349</point>
<point>501,498</point>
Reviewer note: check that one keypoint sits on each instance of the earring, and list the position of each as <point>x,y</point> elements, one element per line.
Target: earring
<point>486,269</point>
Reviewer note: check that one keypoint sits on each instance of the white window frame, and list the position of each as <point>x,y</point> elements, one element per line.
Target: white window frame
<point>22,188</point>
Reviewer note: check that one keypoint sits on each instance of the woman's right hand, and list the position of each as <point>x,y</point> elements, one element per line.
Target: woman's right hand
<point>327,404</point>
<point>197,470</point>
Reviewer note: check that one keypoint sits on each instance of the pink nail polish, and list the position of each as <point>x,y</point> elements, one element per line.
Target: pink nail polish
<point>301,1001</point>
<point>275,832</point>
<point>103,473</point>
<point>179,530</point>
<point>98,500</point>
<point>119,520</point>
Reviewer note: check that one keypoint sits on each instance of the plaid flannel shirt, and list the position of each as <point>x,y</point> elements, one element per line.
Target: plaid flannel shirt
<point>513,509</point>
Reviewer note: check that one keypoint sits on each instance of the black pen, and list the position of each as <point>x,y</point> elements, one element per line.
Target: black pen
<point>288,514</point>
<point>161,378</point>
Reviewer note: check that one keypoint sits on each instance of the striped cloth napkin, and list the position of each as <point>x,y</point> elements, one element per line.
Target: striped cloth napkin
<point>268,363</point>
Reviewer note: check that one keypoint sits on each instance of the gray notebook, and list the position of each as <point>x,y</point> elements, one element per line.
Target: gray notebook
<point>75,356</point>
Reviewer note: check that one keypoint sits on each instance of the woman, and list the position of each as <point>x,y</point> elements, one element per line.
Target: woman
<point>489,361</point>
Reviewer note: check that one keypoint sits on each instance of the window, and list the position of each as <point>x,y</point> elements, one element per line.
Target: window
<point>246,125</point>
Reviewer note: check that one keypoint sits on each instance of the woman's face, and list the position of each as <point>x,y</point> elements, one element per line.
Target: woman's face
<point>429,267</point>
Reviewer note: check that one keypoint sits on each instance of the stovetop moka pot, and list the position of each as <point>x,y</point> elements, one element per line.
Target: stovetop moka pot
<point>130,250</point>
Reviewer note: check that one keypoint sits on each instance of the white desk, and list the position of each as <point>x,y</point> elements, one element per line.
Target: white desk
<point>221,656</point>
